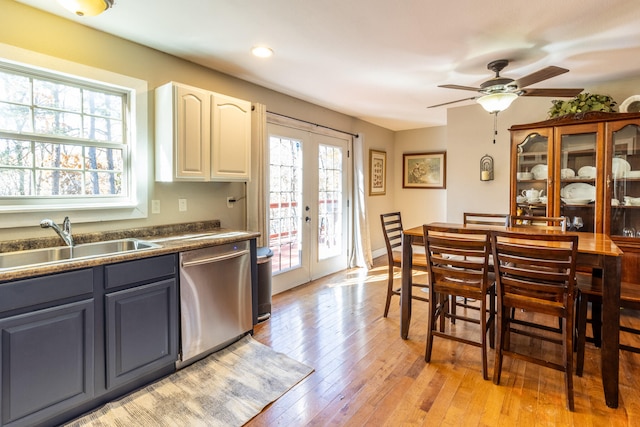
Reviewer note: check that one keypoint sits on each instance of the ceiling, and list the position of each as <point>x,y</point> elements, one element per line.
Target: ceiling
<point>381,60</point>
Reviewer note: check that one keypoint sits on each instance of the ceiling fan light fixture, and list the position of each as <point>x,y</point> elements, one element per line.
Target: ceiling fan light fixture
<point>86,7</point>
<point>496,102</point>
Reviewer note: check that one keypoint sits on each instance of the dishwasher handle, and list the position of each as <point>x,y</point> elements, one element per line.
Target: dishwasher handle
<point>213,259</point>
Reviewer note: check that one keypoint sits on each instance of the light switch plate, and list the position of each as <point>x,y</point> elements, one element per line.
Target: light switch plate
<point>155,206</point>
<point>182,205</point>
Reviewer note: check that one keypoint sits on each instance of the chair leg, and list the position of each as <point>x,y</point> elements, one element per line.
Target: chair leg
<point>389,291</point>
<point>568,361</point>
<point>443,308</point>
<point>497,369</point>
<point>453,310</point>
<point>596,321</point>
<point>483,340</point>
<point>431,323</point>
<point>581,329</point>
<point>492,319</point>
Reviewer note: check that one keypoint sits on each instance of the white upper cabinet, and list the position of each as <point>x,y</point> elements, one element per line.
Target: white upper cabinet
<point>201,135</point>
<point>231,142</point>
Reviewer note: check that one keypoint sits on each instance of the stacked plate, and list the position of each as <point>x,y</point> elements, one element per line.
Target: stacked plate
<point>539,171</point>
<point>620,167</point>
<point>578,193</point>
<point>587,172</point>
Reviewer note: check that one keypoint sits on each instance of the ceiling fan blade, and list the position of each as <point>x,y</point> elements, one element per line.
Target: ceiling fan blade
<point>540,75</point>
<point>452,102</point>
<point>557,93</point>
<point>475,89</point>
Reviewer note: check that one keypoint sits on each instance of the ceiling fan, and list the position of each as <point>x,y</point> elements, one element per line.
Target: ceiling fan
<point>497,93</point>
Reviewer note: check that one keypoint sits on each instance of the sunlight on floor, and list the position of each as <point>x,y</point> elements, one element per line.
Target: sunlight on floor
<point>359,276</point>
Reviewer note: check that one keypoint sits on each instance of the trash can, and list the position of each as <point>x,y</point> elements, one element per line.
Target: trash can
<point>264,283</point>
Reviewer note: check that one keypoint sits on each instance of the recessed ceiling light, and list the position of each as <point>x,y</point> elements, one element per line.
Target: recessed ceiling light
<point>262,51</point>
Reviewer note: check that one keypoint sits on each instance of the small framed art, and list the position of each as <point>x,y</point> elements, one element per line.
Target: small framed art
<point>424,170</point>
<point>377,173</point>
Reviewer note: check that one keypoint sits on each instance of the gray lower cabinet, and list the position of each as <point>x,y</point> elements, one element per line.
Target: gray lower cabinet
<point>141,330</point>
<point>72,341</point>
<point>47,362</point>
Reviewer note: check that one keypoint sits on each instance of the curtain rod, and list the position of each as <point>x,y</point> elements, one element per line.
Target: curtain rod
<point>313,124</point>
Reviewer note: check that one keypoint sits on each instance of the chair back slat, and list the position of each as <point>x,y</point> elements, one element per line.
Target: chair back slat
<point>457,257</point>
<point>528,269</point>
<point>392,231</point>
<point>485,218</point>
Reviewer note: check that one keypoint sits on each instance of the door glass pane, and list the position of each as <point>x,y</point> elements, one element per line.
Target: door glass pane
<point>578,180</point>
<point>330,233</point>
<point>532,174</point>
<point>285,198</point>
<point>625,191</point>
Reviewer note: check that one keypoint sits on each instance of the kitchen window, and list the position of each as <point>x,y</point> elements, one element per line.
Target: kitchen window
<point>68,143</point>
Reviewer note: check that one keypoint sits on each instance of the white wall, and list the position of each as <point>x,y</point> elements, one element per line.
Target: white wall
<point>470,136</point>
<point>37,31</point>
<point>419,206</point>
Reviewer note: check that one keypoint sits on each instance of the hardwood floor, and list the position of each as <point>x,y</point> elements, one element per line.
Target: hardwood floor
<point>365,374</point>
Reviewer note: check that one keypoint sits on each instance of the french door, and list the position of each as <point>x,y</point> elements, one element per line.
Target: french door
<point>309,231</point>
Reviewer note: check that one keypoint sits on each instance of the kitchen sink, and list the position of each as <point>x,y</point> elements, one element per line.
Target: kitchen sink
<point>35,257</point>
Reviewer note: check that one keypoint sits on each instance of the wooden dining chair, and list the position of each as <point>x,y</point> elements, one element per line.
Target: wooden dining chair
<point>592,293</point>
<point>458,264</point>
<point>491,219</point>
<point>392,231</point>
<point>558,223</point>
<point>536,272</point>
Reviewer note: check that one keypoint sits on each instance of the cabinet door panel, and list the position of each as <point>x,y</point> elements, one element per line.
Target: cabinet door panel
<point>193,133</point>
<point>141,330</point>
<point>47,362</point>
<point>231,149</point>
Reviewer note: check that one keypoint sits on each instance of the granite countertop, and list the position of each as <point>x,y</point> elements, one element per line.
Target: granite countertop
<point>171,239</point>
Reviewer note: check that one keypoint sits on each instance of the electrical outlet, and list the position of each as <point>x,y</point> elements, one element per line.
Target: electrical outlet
<point>155,206</point>
<point>182,205</point>
<point>230,201</point>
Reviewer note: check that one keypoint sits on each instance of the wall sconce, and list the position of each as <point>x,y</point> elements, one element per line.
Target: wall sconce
<point>486,168</point>
<point>86,7</point>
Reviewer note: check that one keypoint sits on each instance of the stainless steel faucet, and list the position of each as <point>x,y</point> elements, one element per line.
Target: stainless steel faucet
<point>64,232</point>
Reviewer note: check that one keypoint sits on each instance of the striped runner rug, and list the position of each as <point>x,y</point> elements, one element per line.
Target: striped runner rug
<point>227,388</point>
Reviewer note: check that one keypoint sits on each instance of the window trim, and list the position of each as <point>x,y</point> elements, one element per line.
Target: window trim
<point>25,214</point>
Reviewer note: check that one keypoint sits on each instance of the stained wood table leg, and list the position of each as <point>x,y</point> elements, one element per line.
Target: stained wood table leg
<point>610,356</point>
<point>405,295</point>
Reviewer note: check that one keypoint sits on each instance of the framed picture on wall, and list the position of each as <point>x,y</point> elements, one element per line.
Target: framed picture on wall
<point>377,173</point>
<point>424,170</point>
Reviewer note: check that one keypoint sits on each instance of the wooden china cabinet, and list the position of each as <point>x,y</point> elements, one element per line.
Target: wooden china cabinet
<point>585,167</point>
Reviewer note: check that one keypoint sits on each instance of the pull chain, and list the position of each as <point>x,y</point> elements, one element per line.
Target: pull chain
<point>495,126</point>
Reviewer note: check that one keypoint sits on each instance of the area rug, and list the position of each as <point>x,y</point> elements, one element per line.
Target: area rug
<point>227,388</point>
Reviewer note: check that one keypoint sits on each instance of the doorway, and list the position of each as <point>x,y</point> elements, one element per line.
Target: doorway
<point>309,209</point>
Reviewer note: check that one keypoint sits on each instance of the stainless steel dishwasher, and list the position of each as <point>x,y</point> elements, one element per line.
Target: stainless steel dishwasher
<point>215,299</point>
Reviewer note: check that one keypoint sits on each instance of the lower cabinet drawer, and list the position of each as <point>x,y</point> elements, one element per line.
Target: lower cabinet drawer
<point>140,270</point>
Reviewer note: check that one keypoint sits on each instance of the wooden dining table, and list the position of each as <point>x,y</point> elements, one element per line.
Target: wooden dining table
<point>595,250</point>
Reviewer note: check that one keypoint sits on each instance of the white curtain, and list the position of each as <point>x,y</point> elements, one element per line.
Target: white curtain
<point>257,190</point>
<point>361,255</point>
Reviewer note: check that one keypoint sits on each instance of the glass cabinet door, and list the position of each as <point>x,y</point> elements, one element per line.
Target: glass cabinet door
<point>532,174</point>
<point>624,182</point>
<point>577,175</point>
